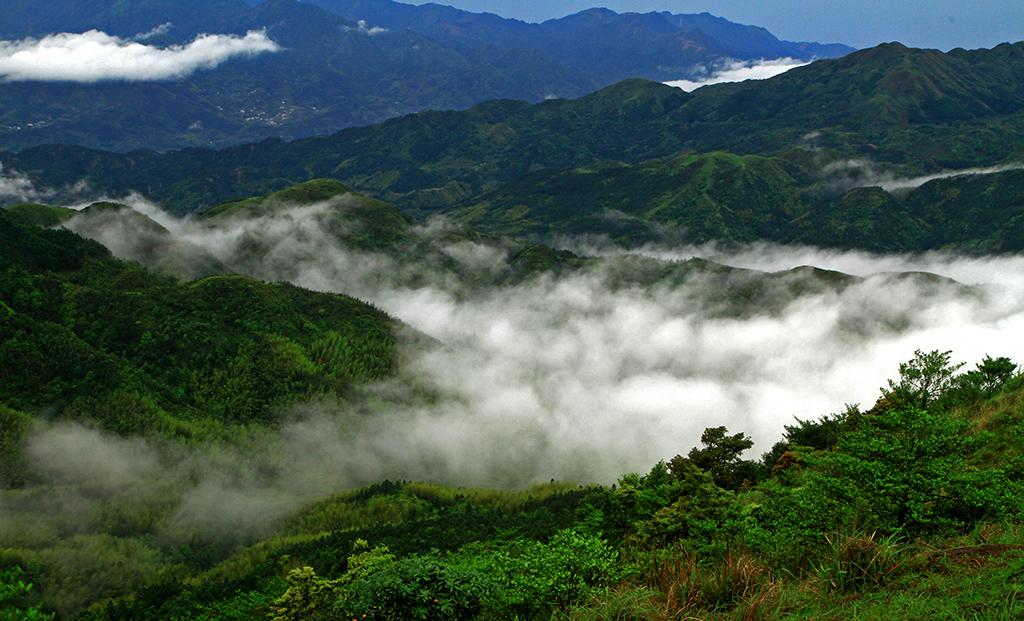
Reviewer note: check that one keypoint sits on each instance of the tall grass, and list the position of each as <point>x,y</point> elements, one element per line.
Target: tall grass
<point>854,562</point>
<point>737,585</point>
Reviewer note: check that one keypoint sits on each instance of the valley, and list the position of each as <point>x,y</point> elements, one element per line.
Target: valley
<point>432,314</point>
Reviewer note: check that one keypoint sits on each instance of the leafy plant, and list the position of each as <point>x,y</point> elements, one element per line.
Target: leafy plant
<point>15,598</point>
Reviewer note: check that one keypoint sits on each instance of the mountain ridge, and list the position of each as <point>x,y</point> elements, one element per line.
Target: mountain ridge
<point>332,72</point>
<point>855,109</point>
<point>585,40</point>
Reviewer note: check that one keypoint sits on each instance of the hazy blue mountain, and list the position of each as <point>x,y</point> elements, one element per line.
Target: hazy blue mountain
<point>331,74</point>
<point>22,18</point>
<point>610,45</point>
<point>334,72</point>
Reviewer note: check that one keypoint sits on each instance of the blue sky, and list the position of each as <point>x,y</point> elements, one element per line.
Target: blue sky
<point>942,24</point>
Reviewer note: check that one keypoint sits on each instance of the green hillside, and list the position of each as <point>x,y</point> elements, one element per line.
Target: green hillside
<point>915,111</point>
<point>369,231</point>
<point>721,196</point>
<point>340,377</point>
<point>91,338</point>
<point>909,509</point>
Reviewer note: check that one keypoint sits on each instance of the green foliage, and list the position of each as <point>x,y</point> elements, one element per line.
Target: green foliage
<point>853,563</point>
<point>987,379</point>
<point>564,571</point>
<point>32,214</point>
<point>14,427</point>
<point>922,379</point>
<point>308,597</point>
<point>905,469</point>
<point>822,434</point>
<point>416,588</point>
<point>86,569</point>
<point>624,604</point>
<point>517,579</point>
<point>728,582</point>
<point>706,535</point>
<point>16,598</point>
<point>721,458</point>
<point>106,341</point>
<point>698,516</point>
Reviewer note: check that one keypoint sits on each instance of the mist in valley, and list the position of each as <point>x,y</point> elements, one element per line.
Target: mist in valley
<point>580,376</point>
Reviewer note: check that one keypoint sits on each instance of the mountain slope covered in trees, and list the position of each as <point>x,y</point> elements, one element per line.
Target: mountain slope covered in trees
<point>331,72</point>
<point>658,46</point>
<point>648,151</point>
<point>91,338</point>
<point>907,508</point>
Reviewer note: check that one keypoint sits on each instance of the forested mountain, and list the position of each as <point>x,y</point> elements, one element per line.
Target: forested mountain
<point>744,352</point>
<point>721,196</point>
<point>23,18</point>
<point>334,72</point>
<point>394,248</point>
<point>661,46</point>
<point>874,116</point>
<point>330,74</point>
<point>212,416</point>
<point>860,513</point>
<point>100,340</point>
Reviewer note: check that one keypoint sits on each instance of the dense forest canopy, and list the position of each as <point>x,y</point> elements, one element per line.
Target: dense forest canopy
<point>201,386</point>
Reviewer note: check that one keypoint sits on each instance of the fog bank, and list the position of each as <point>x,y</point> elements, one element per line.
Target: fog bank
<point>577,377</point>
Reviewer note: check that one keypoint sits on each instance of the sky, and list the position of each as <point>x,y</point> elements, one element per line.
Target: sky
<point>942,24</point>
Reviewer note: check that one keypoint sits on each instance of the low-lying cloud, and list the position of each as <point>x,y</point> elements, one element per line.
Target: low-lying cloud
<point>95,56</point>
<point>738,71</point>
<point>157,31</point>
<point>910,183</point>
<point>365,28</point>
<point>16,186</point>
<point>845,175</point>
<point>583,376</point>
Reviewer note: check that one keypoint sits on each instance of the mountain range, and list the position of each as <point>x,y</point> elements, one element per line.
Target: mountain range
<point>247,364</point>
<point>194,395</point>
<point>732,161</point>
<point>598,41</point>
<point>346,64</point>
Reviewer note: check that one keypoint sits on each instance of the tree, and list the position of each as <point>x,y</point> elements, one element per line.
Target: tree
<point>994,373</point>
<point>907,469</point>
<point>922,379</point>
<point>720,457</point>
<point>988,377</point>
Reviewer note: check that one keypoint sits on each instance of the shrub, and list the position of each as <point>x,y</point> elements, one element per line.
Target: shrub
<point>855,562</point>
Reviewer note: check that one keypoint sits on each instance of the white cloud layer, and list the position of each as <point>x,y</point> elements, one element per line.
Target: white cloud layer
<point>370,30</point>
<point>844,175</point>
<point>576,377</point>
<point>95,56</point>
<point>904,184</point>
<point>739,71</point>
<point>158,31</point>
<point>17,186</point>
